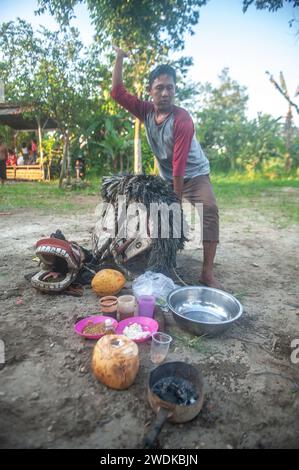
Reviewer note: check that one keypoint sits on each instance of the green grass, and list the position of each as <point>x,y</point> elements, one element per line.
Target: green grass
<point>240,295</point>
<point>189,341</point>
<point>277,200</point>
<point>46,197</point>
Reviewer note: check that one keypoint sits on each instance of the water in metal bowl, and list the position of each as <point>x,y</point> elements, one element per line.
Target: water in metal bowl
<point>203,310</point>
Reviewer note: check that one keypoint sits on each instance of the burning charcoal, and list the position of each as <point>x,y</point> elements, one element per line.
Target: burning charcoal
<point>176,390</point>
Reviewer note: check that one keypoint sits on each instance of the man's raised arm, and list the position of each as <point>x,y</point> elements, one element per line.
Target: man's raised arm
<point>130,102</point>
<point>117,74</point>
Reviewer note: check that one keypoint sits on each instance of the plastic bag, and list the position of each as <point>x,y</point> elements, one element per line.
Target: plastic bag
<point>155,284</point>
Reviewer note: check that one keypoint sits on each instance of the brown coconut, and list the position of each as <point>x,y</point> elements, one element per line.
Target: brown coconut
<point>115,361</point>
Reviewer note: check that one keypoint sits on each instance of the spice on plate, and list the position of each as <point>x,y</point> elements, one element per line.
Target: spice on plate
<point>103,328</point>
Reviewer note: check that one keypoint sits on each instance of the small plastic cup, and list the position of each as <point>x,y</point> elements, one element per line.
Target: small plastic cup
<point>146,305</point>
<point>159,347</point>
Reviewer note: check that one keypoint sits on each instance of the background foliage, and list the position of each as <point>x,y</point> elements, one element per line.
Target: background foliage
<point>53,73</point>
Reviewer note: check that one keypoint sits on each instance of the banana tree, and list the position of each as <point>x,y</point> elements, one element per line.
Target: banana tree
<point>116,145</point>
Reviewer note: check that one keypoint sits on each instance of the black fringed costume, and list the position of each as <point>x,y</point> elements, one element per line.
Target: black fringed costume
<point>160,252</point>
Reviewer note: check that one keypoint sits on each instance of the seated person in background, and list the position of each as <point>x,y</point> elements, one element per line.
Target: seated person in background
<point>20,160</point>
<point>12,158</point>
<point>31,158</point>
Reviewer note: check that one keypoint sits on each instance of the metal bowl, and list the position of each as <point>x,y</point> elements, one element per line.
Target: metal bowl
<point>203,310</point>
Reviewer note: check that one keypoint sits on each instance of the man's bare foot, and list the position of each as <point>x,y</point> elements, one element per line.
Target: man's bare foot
<point>209,280</point>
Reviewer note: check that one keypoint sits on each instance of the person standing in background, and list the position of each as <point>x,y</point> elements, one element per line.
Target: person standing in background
<point>34,150</point>
<point>25,153</point>
<point>3,158</point>
<point>79,169</point>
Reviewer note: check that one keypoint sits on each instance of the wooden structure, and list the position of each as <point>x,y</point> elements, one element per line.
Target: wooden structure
<point>12,115</point>
<point>25,172</point>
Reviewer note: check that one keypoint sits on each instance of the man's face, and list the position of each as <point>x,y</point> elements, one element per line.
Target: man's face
<point>162,92</point>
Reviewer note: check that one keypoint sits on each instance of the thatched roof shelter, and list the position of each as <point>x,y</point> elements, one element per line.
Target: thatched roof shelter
<point>12,115</point>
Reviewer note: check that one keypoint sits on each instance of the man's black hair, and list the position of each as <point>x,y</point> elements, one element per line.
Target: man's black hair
<point>163,69</point>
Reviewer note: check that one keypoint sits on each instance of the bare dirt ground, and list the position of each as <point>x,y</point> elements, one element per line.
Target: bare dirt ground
<point>49,397</point>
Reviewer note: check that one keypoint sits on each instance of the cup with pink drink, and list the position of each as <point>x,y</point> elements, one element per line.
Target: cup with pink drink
<point>146,305</point>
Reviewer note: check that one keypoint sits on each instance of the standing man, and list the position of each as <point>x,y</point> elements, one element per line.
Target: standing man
<point>171,136</point>
<point>34,150</point>
<point>3,158</point>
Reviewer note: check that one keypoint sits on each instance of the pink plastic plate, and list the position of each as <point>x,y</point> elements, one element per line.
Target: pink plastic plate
<point>79,327</point>
<point>147,324</point>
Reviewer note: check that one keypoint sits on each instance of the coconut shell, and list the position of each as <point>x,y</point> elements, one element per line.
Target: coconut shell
<point>115,361</point>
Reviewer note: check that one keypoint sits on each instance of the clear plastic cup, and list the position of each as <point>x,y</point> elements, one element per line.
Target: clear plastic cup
<point>159,347</point>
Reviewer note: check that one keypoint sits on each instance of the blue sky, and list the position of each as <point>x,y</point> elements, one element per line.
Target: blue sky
<point>249,44</point>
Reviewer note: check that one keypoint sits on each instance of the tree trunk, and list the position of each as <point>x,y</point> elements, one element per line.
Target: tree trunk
<point>40,144</point>
<point>15,142</point>
<point>288,141</point>
<point>49,166</point>
<point>232,163</point>
<point>128,164</point>
<point>68,166</point>
<point>156,168</point>
<point>137,148</point>
<point>121,163</point>
<point>114,163</point>
<point>64,158</point>
<point>287,162</point>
